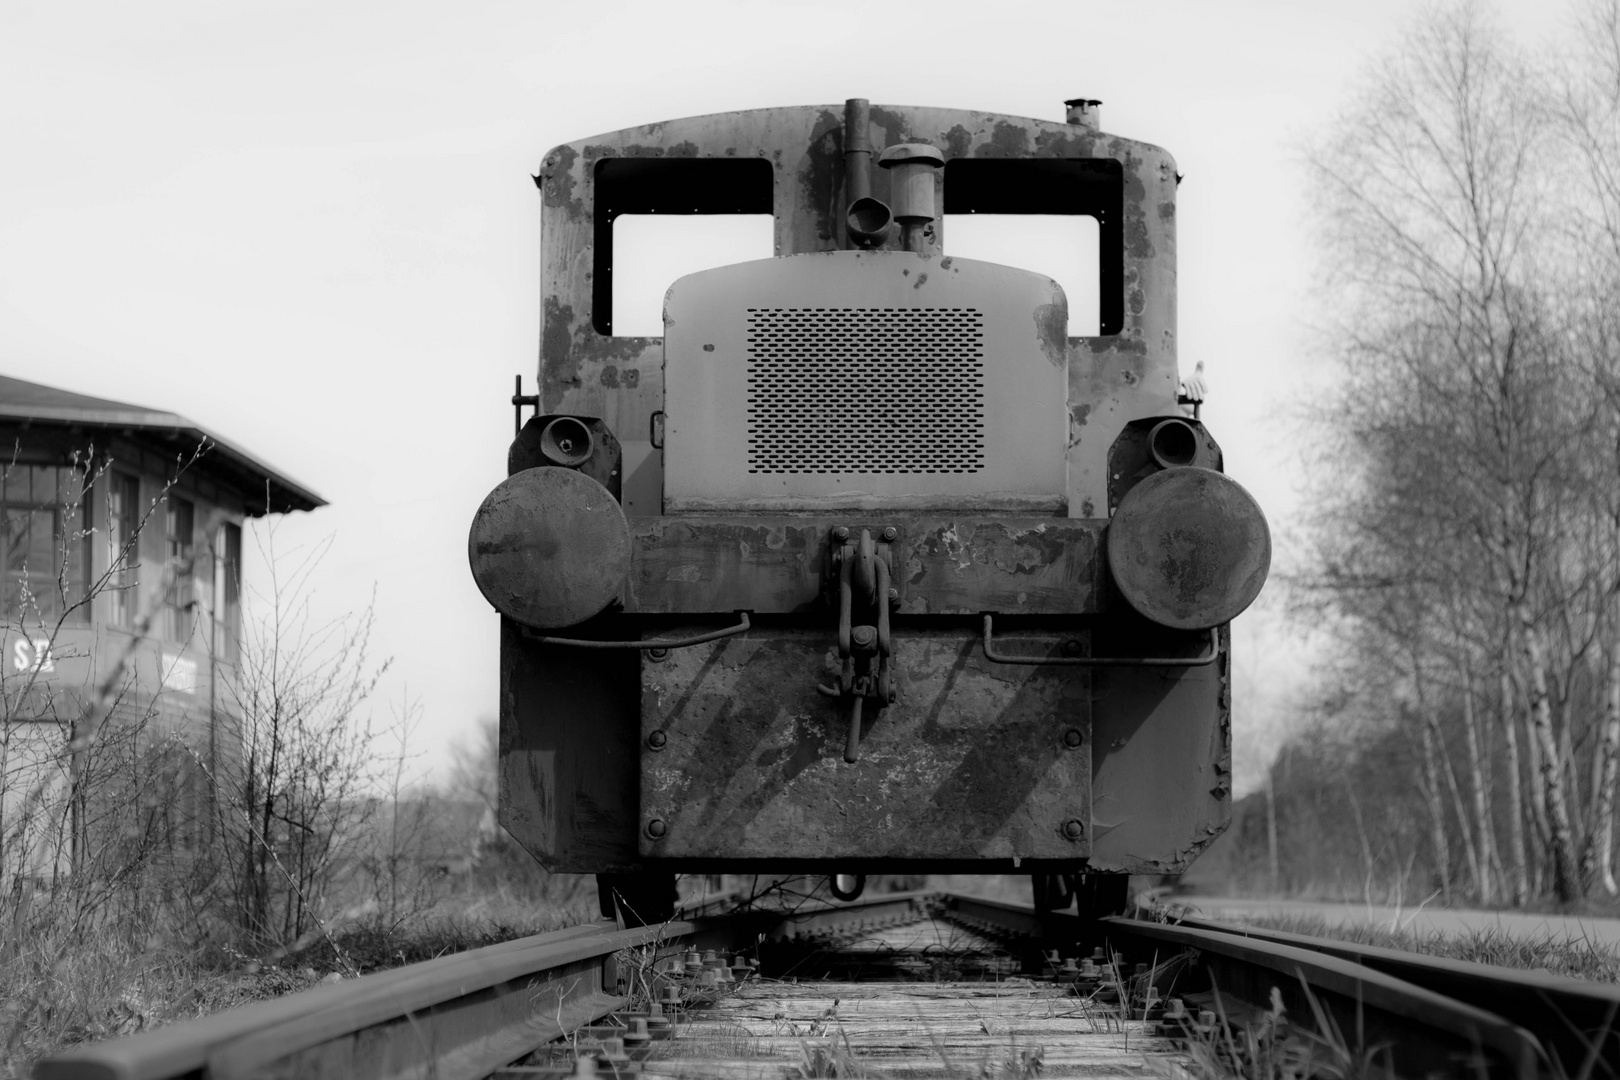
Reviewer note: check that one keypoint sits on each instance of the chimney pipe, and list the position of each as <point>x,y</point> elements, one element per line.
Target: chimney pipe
<point>1084,112</point>
<point>867,221</point>
<point>911,170</point>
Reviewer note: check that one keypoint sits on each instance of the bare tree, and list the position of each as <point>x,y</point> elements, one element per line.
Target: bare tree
<point>293,791</point>
<point>1461,414</point>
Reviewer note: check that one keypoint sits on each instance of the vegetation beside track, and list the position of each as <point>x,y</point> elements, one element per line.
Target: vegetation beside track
<point>64,986</point>
<point>1557,954</point>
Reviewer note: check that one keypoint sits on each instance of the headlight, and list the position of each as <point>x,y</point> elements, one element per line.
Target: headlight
<point>1189,548</point>
<point>549,547</point>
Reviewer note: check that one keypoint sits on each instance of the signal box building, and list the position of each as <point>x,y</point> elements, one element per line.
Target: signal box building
<point>120,585</point>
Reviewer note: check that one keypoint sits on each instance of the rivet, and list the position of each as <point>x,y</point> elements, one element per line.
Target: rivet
<point>1071,828</point>
<point>841,533</point>
<point>891,534</point>
<point>657,654</point>
<point>658,740</point>
<point>1072,647</point>
<point>656,828</point>
<point>1071,738</point>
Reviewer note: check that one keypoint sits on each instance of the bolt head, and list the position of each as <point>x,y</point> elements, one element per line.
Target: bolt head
<point>1071,738</point>
<point>1072,647</point>
<point>841,533</point>
<point>657,654</point>
<point>863,635</point>
<point>1072,829</point>
<point>656,828</point>
<point>891,534</point>
<point>657,740</point>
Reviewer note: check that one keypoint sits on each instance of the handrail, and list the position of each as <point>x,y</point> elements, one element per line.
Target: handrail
<point>1208,657</point>
<point>650,643</point>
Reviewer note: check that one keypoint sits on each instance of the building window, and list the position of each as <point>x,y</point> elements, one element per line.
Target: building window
<point>44,544</point>
<point>227,593</point>
<point>180,522</point>
<point>123,547</point>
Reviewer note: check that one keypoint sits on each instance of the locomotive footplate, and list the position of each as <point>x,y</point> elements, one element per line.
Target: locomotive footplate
<point>744,758</point>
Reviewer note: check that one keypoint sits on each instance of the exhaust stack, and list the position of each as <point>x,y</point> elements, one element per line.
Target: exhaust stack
<point>912,166</point>
<point>867,221</point>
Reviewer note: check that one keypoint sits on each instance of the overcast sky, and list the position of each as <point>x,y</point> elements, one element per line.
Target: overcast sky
<point>311,228</point>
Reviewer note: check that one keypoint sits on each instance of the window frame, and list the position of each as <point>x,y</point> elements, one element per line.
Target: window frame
<point>227,613</point>
<point>179,565</point>
<point>123,543</point>
<point>69,512</point>
<point>695,185</point>
<point>1067,187</point>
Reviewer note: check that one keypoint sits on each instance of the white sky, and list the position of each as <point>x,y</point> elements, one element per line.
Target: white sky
<point>311,227</point>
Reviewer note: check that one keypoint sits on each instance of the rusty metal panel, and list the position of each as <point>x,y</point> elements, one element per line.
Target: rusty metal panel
<point>944,564</point>
<point>865,380</point>
<point>742,758</point>
<point>568,753</point>
<point>1162,765</point>
<point>1112,380</point>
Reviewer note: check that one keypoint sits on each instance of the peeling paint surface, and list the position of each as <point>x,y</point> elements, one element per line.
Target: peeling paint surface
<point>1163,759</point>
<point>969,762</point>
<point>573,753</point>
<point>568,790</point>
<point>943,565</point>
<point>1051,328</point>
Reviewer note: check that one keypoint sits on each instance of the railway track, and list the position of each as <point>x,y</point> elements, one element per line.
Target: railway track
<point>911,985</point>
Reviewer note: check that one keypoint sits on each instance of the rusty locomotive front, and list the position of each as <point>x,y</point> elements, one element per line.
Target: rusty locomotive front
<point>865,563</point>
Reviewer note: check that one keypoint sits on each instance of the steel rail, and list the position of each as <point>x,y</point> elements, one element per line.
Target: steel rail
<point>1575,1019</point>
<point>1420,1031</point>
<point>450,1016</point>
<point>464,1015</point>
<point>1431,1014</point>
<point>473,1013</point>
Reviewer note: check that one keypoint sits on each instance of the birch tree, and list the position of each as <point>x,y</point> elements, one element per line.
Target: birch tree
<point>1457,405</point>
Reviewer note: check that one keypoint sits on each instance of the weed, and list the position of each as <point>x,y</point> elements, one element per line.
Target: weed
<point>1582,957</point>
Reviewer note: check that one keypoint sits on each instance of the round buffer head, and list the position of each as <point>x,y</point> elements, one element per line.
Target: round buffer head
<point>1189,548</point>
<point>549,548</point>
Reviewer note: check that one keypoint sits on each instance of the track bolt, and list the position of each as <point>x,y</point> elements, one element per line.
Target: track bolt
<point>656,828</point>
<point>1072,829</point>
<point>1071,738</point>
<point>657,654</point>
<point>894,595</point>
<point>658,740</point>
<point>841,533</point>
<point>891,534</point>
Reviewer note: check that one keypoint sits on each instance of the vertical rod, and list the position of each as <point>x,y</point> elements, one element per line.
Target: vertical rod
<point>857,155</point>
<point>852,742</point>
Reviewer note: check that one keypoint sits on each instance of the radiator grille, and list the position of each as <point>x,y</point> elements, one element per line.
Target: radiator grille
<point>865,390</point>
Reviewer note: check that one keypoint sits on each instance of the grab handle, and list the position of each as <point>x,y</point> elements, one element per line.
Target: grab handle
<point>650,643</point>
<point>1207,657</point>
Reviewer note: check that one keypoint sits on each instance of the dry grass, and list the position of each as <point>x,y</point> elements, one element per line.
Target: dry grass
<point>1275,1047</point>
<point>1578,957</point>
<point>66,985</point>
<point>101,985</point>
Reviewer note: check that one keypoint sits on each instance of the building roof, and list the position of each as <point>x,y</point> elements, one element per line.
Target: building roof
<point>32,402</point>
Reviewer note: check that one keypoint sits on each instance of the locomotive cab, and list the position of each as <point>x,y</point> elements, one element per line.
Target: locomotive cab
<point>865,564</point>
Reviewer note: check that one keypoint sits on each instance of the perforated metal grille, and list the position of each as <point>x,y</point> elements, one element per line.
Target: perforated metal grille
<point>865,390</point>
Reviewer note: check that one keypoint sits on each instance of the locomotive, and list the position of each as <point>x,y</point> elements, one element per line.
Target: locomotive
<point>865,564</point>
